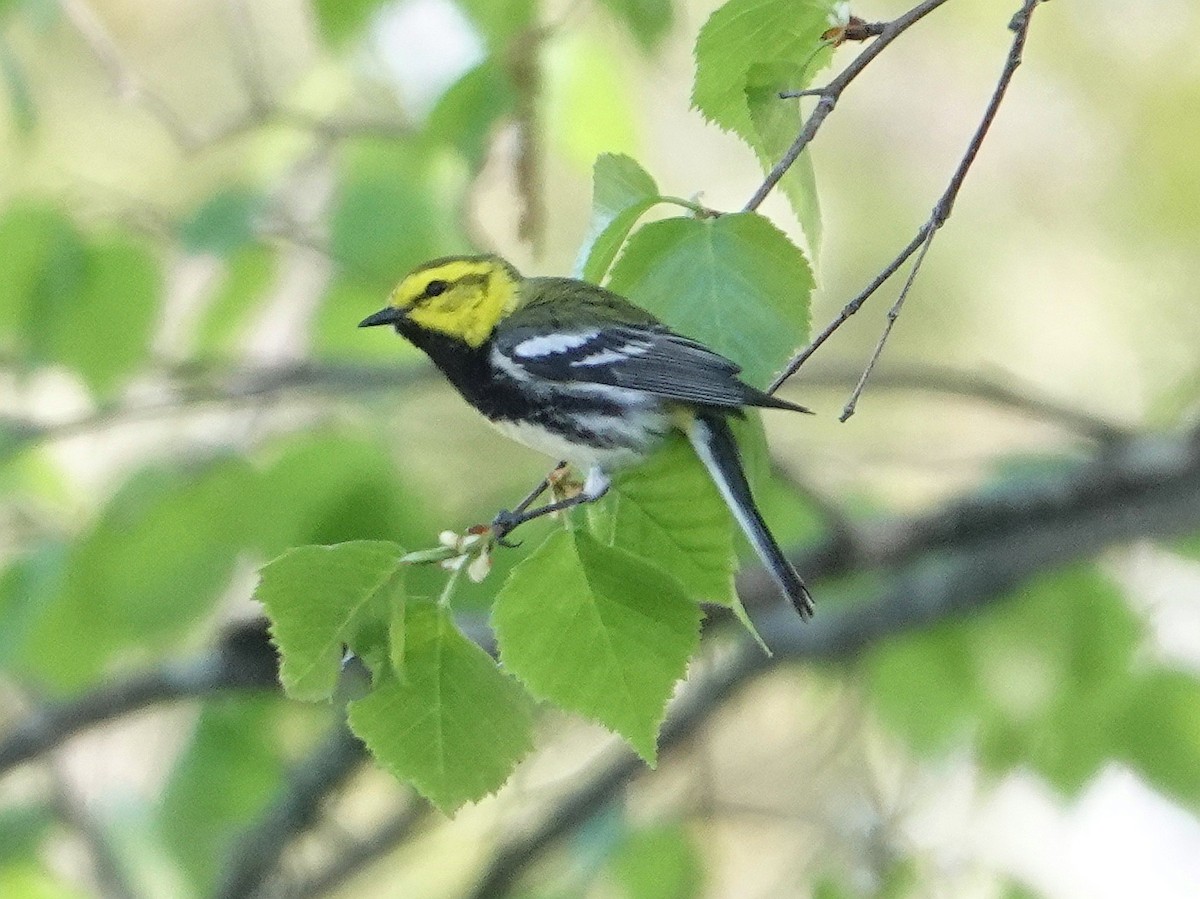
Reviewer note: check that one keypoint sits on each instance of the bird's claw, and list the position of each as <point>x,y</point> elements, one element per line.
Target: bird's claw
<point>504,522</point>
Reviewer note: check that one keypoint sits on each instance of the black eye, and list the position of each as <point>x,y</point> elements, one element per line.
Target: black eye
<point>435,288</point>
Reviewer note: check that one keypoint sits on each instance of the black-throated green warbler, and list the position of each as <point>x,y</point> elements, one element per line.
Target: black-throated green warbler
<point>582,374</point>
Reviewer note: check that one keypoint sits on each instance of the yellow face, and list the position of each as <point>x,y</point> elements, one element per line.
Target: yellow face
<point>460,296</point>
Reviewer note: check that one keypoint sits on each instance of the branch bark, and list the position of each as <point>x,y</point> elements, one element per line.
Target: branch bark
<point>959,560</point>
<point>245,660</point>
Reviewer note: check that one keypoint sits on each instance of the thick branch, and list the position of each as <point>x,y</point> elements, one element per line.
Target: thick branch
<point>257,853</point>
<point>245,660</point>
<point>1148,488</point>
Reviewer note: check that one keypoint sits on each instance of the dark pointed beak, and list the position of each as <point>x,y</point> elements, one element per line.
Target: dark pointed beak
<point>389,315</point>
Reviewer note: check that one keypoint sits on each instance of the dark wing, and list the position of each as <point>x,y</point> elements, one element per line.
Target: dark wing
<point>637,358</point>
<point>573,332</point>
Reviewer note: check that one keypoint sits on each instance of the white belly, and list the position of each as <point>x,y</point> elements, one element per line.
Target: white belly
<point>558,447</point>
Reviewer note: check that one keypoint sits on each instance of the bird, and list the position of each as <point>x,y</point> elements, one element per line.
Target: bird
<point>582,374</point>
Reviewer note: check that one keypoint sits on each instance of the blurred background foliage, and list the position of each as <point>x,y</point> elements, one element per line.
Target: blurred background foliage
<point>199,201</point>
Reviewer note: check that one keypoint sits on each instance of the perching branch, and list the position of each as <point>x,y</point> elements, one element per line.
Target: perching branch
<point>924,237</point>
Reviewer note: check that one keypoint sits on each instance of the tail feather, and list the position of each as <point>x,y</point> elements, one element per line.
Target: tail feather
<point>713,441</point>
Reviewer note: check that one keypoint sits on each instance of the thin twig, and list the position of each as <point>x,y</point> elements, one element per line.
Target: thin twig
<point>941,212</point>
<point>832,91</point>
<point>352,859</point>
<point>247,56</point>
<point>893,314</point>
<point>126,83</point>
<point>198,384</point>
<point>850,308</point>
<point>262,111</point>
<point>112,880</point>
<point>523,61</point>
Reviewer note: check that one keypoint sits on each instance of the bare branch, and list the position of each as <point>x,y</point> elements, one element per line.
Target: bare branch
<point>523,61</point>
<point>198,384</point>
<point>893,314</point>
<point>245,660</point>
<point>354,858</point>
<point>832,92</point>
<point>262,110</point>
<point>126,83</point>
<point>111,877</point>
<point>924,237</point>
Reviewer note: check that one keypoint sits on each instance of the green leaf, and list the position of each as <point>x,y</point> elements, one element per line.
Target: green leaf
<point>387,216</point>
<point>333,487</point>
<point>340,20</point>
<point>1036,681</point>
<point>222,223</point>
<point>141,577</point>
<point>324,598</point>
<point>599,251</point>
<point>667,512</point>
<point>20,98</point>
<point>22,829</point>
<point>647,20</point>
<point>29,880</point>
<point>622,191</point>
<point>500,20</point>
<point>735,283</point>
<point>40,15</point>
<point>29,585</point>
<point>924,688</point>
<point>746,53</point>
<point>236,744</point>
<point>249,271</point>
<point>776,124</point>
<point>618,182</point>
<point>103,329</point>
<point>467,113</point>
<point>659,862</point>
<point>1158,732</point>
<point>43,267</point>
<point>449,721</point>
<point>596,630</point>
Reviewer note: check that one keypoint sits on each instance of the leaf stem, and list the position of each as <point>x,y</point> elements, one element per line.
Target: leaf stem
<point>451,584</point>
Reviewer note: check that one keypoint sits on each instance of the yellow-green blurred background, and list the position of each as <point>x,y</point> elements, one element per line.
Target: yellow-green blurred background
<point>245,178</point>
